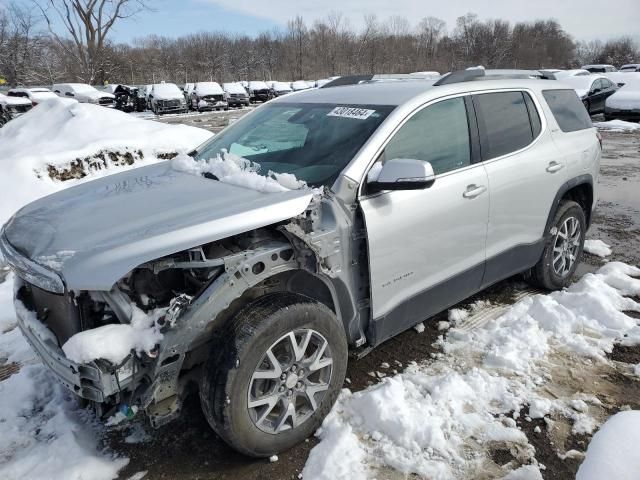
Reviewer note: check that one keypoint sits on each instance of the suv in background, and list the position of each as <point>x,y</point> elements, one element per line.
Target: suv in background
<point>630,67</point>
<point>84,93</point>
<point>259,92</point>
<point>424,194</point>
<point>208,96</point>
<point>599,68</point>
<point>35,94</point>
<point>166,98</point>
<point>237,96</point>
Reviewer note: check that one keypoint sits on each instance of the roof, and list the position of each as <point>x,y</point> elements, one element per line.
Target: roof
<point>597,65</point>
<point>399,92</point>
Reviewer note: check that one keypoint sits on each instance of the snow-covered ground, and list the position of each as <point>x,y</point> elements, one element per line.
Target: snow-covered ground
<point>60,133</point>
<point>440,420</point>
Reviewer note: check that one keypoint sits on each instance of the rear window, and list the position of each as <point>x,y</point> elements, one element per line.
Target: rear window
<point>567,110</point>
<point>504,123</point>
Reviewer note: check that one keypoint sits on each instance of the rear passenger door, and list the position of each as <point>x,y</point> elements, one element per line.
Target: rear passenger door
<point>525,173</point>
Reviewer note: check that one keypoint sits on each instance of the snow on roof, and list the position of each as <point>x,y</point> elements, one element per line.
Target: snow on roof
<point>281,87</point>
<point>258,85</point>
<point>208,88</point>
<point>58,131</point>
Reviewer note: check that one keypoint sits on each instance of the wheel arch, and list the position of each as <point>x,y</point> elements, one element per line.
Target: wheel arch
<point>580,190</point>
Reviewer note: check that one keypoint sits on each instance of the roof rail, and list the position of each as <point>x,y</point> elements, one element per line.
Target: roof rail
<point>347,80</point>
<point>460,76</point>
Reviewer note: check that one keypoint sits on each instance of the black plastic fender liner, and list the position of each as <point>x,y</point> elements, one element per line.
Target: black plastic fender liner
<point>585,179</point>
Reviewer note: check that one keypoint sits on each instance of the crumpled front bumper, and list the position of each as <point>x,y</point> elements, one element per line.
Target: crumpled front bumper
<point>91,381</point>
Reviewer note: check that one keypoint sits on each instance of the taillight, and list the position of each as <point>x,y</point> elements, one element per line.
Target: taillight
<point>33,104</point>
<point>599,138</point>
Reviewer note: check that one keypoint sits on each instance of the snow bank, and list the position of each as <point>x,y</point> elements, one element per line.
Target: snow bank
<point>617,126</point>
<point>230,168</point>
<point>438,420</point>
<point>114,342</point>
<point>44,434</point>
<point>613,451</point>
<point>597,247</point>
<point>58,132</point>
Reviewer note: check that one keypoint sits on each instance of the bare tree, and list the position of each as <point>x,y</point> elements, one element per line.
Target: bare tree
<point>86,25</point>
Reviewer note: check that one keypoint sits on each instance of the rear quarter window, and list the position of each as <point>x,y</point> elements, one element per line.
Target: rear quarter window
<point>504,123</point>
<point>568,110</point>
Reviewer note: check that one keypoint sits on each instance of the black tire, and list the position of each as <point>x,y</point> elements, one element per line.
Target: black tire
<point>544,274</point>
<point>227,375</point>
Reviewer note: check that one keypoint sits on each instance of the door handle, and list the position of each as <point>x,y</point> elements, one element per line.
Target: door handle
<point>474,190</point>
<point>554,167</point>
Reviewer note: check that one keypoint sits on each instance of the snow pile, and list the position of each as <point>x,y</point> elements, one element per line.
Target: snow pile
<point>617,126</point>
<point>44,434</point>
<point>597,247</point>
<point>235,170</point>
<point>438,420</point>
<point>61,134</point>
<point>114,342</point>
<point>613,451</point>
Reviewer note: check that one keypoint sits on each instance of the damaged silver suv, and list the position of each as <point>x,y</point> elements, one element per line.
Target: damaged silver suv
<point>215,273</point>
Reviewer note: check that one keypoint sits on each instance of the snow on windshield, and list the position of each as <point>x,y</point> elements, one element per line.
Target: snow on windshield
<point>166,90</point>
<point>235,170</point>
<point>234,88</point>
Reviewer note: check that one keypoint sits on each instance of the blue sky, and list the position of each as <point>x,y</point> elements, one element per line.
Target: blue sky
<point>584,19</point>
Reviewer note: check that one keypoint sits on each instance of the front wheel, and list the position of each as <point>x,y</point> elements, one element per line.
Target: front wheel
<point>271,384</point>
<point>563,247</point>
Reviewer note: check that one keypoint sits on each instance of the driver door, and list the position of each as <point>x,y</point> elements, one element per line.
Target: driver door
<point>427,247</point>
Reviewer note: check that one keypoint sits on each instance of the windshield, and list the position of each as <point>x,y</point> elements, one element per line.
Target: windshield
<point>312,141</point>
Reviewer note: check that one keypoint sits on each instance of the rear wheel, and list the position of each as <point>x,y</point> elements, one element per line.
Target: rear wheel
<point>270,384</point>
<point>563,247</point>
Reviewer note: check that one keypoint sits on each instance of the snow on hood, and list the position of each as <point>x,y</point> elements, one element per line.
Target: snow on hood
<point>4,100</point>
<point>166,91</point>
<point>94,95</point>
<point>257,85</point>
<point>208,88</point>
<point>111,225</point>
<point>58,131</point>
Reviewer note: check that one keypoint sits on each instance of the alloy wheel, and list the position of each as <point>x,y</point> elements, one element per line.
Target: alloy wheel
<point>290,381</point>
<point>566,246</point>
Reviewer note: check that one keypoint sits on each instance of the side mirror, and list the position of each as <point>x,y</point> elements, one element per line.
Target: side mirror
<point>401,174</point>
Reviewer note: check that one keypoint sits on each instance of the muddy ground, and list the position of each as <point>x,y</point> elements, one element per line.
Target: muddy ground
<point>188,450</point>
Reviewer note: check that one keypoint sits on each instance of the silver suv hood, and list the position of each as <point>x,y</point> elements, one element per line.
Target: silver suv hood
<point>95,233</point>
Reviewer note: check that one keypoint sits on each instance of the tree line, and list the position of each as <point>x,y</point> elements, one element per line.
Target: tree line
<point>37,49</point>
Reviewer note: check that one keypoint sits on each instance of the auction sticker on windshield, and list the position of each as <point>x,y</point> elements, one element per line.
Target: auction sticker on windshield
<point>351,112</point>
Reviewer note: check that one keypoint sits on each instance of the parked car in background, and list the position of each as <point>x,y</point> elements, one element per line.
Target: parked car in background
<point>207,96</point>
<point>12,107</point>
<point>578,72</point>
<point>593,90</point>
<point>299,85</point>
<point>129,99</point>
<point>624,104</point>
<point>259,91</point>
<point>630,67</point>
<point>146,91</point>
<point>166,98</point>
<point>620,78</point>
<point>237,96</point>
<point>35,95</point>
<point>322,81</point>
<point>260,296</point>
<point>599,68</point>
<point>84,93</point>
<point>280,88</point>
